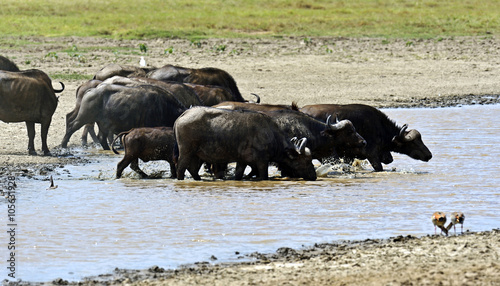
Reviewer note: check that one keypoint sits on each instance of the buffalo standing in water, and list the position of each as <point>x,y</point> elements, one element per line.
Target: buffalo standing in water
<point>219,136</point>
<point>382,135</point>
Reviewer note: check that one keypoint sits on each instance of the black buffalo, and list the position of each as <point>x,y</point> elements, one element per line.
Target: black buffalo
<point>324,138</point>
<point>147,144</point>
<point>382,134</point>
<point>28,96</point>
<point>118,108</point>
<point>219,136</point>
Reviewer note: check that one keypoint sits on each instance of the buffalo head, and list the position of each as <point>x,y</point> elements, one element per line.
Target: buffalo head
<point>345,136</point>
<point>410,143</point>
<point>298,163</point>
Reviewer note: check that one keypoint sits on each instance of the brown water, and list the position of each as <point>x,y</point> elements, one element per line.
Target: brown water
<point>92,223</point>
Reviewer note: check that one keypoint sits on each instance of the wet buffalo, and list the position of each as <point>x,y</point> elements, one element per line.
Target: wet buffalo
<point>219,136</point>
<point>382,135</point>
<point>118,108</point>
<point>28,96</point>
<point>324,138</point>
<point>147,144</point>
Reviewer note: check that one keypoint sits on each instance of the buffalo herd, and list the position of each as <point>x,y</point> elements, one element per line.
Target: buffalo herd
<point>190,117</point>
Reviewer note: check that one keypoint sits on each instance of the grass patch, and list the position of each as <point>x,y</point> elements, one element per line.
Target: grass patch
<point>196,19</point>
<point>70,76</point>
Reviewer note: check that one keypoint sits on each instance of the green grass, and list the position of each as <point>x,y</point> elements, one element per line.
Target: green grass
<point>195,19</point>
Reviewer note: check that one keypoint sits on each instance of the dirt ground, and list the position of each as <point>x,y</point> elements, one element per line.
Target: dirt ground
<point>378,72</point>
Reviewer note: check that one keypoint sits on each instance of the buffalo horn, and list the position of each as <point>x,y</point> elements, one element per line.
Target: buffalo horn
<point>301,145</point>
<point>412,134</point>
<point>402,131</point>
<point>339,125</point>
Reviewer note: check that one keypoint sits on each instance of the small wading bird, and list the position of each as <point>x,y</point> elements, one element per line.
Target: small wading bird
<point>439,219</point>
<point>52,186</point>
<point>456,217</point>
<point>142,62</point>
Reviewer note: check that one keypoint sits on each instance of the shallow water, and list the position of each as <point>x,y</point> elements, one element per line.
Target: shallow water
<point>92,223</point>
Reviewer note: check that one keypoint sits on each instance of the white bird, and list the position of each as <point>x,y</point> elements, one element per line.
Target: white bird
<point>52,186</point>
<point>142,62</point>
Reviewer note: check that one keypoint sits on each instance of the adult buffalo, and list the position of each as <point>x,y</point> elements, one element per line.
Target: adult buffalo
<point>324,138</point>
<point>118,108</point>
<point>219,136</point>
<point>203,76</point>
<point>112,70</point>
<point>382,134</point>
<point>8,65</point>
<point>147,144</point>
<point>28,96</point>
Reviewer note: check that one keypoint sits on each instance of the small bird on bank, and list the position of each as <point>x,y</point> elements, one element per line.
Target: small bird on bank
<point>439,219</point>
<point>142,62</point>
<point>52,186</point>
<point>456,217</point>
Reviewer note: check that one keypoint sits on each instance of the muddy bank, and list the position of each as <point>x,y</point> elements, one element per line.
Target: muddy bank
<point>462,259</point>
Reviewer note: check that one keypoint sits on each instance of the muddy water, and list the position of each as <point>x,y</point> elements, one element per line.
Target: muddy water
<point>92,224</point>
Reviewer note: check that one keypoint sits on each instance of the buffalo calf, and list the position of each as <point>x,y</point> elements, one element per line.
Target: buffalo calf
<point>147,144</point>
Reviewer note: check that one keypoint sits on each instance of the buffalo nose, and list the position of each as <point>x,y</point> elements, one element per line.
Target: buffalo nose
<point>363,143</point>
<point>428,157</point>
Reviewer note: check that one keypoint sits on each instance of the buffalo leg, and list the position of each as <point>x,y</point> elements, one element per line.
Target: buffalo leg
<point>262,169</point>
<point>182,164</point>
<point>173,170</point>
<point>89,130</point>
<point>376,164</point>
<point>239,171</point>
<point>70,129</point>
<point>122,165</point>
<point>194,168</point>
<point>135,166</point>
<point>219,170</point>
<point>103,138</point>
<point>188,161</point>
<point>31,137</point>
<point>43,133</point>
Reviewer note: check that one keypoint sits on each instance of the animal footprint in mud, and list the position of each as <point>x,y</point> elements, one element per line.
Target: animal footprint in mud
<point>456,217</point>
<point>439,219</point>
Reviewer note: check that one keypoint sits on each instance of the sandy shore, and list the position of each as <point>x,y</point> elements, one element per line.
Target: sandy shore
<point>379,72</point>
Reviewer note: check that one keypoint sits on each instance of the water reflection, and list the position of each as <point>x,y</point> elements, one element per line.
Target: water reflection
<point>92,223</point>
